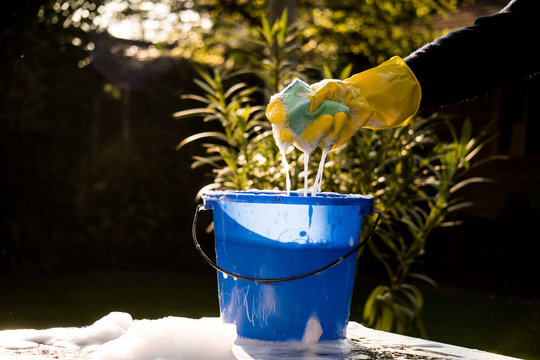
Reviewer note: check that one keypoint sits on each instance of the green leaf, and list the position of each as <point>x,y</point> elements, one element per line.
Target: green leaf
<point>327,73</point>
<point>265,30</point>
<point>197,98</point>
<point>200,161</point>
<point>465,137</point>
<point>192,112</point>
<point>234,88</point>
<point>208,80</point>
<point>414,297</point>
<point>472,180</point>
<point>386,319</point>
<point>208,89</point>
<point>346,72</point>
<point>203,135</point>
<point>369,306</point>
<point>423,277</point>
<point>452,130</point>
<point>281,30</point>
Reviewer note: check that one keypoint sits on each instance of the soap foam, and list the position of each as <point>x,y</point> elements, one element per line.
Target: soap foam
<point>318,178</point>
<point>306,163</point>
<point>118,337</point>
<point>166,339</point>
<point>313,330</point>
<point>287,169</point>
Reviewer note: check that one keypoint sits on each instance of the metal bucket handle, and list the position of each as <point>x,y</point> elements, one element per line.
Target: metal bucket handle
<point>335,262</point>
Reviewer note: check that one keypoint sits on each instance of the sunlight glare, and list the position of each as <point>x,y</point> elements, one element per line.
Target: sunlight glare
<point>125,29</point>
<point>150,21</point>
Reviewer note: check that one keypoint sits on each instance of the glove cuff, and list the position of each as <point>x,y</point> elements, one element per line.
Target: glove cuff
<point>414,78</point>
<point>392,91</point>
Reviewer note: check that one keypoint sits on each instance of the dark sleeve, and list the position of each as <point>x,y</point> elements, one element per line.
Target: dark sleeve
<point>476,59</point>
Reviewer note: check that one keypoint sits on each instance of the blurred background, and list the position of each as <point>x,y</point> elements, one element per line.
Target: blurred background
<point>97,203</point>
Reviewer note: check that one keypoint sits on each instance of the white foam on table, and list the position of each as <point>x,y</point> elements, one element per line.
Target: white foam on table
<point>172,338</point>
<point>118,337</point>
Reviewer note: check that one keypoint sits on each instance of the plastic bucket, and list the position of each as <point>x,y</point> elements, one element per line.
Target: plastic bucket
<point>285,273</point>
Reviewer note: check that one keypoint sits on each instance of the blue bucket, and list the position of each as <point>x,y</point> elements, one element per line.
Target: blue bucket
<point>283,260</point>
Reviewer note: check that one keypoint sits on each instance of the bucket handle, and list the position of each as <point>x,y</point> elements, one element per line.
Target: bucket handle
<point>333,263</point>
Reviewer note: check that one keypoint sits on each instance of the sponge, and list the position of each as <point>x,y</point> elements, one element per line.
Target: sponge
<point>292,121</point>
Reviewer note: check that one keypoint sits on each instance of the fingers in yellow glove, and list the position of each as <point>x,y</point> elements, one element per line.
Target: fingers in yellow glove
<point>326,131</point>
<point>339,121</point>
<point>276,114</point>
<point>312,135</point>
<point>275,111</point>
<point>283,135</point>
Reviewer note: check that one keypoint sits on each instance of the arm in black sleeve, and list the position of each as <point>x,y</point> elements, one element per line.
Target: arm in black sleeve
<point>476,59</point>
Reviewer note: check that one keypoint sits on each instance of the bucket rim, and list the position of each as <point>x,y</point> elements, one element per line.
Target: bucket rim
<point>280,197</point>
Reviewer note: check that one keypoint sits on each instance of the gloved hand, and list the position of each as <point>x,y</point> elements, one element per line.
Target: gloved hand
<point>379,98</point>
<point>294,123</point>
<point>382,97</point>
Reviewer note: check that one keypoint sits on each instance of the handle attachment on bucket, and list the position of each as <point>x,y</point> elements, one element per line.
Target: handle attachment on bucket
<point>333,263</point>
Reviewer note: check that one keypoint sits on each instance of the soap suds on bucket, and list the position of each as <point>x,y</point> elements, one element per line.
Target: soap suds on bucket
<point>313,330</point>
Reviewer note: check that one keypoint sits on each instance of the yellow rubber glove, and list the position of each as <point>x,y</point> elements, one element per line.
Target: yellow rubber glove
<point>382,97</point>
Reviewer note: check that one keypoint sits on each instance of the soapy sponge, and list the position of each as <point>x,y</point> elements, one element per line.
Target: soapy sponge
<point>293,123</point>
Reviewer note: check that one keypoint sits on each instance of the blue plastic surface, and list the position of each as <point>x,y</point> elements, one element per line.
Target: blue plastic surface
<point>271,235</point>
